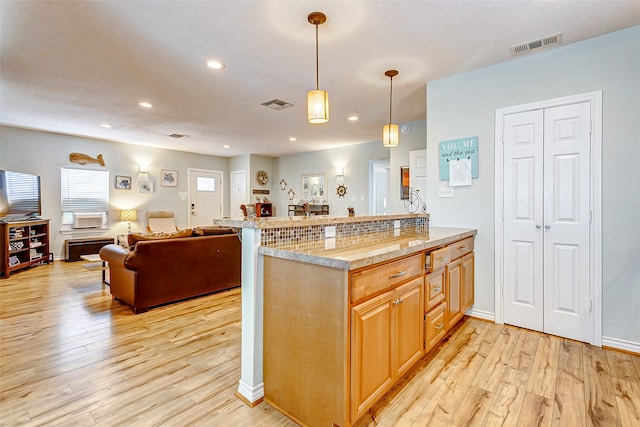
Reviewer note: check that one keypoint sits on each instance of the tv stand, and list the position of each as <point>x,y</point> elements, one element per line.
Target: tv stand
<point>23,243</point>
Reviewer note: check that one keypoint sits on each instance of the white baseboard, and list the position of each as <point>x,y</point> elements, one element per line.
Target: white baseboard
<point>486,315</point>
<point>252,394</point>
<point>631,346</point>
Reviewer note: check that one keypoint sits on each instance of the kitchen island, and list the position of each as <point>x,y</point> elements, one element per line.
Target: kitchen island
<point>345,317</point>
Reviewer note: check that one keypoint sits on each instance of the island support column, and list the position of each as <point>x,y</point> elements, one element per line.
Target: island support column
<point>251,387</point>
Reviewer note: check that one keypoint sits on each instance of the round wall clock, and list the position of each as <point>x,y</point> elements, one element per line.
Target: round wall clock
<point>262,177</point>
<point>341,190</point>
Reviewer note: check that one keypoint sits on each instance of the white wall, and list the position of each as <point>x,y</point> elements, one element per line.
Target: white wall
<point>44,153</point>
<point>355,161</point>
<point>464,105</point>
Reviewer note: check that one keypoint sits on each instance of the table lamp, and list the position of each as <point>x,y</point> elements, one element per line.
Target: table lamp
<point>128,215</point>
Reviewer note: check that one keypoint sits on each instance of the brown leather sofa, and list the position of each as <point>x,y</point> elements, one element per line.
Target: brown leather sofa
<point>162,271</point>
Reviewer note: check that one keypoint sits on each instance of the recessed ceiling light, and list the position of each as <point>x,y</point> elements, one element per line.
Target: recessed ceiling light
<point>226,146</point>
<point>353,118</point>
<point>216,65</point>
<point>105,125</point>
<point>293,138</point>
<point>145,104</point>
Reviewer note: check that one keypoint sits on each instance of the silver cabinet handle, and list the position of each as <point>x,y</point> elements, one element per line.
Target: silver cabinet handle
<point>398,274</point>
<point>438,289</point>
<point>547,227</point>
<point>538,226</point>
<point>462,248</point>
<point>438,327</point>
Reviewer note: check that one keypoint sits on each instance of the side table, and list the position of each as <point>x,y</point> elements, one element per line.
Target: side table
<point>95,263</point>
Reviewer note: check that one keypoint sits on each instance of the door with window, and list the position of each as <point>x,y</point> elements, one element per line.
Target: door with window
<point>546,226</point>
<point>205,196</point>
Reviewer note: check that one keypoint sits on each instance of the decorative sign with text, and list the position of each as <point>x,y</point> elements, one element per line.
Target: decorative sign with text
<point>457,149</point>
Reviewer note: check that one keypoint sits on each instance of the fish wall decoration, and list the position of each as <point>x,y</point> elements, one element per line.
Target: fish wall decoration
<point>83,159</point>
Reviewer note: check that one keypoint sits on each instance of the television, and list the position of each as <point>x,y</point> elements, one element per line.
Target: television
<point>20,196</point>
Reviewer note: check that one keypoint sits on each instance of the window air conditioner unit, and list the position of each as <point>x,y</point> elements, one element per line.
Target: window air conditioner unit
<point>87,219</point>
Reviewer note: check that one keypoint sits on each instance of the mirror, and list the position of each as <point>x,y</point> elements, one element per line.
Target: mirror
<point>313,188</point>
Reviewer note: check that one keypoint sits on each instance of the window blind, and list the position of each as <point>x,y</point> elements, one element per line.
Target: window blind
<point>23,192</point>
<point>84,190</point>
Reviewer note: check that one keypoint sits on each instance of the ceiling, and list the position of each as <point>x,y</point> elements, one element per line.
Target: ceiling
<point>68,67</point>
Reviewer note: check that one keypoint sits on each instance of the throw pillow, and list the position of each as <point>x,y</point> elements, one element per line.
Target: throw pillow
<point>212,230</point>
<point>134,238</point>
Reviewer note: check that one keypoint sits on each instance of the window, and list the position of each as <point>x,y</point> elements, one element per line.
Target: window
<point>86,191</point>
<point>204,183</point>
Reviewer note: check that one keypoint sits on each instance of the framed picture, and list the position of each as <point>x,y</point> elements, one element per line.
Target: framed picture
<point>146,186</point>
<point>404,182</point>
<point>123,182</point>
<point>168,178</point>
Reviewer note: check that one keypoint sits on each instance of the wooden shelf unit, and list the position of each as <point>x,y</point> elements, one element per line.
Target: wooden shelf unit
<point>18,240</point>
<point>298,210</point>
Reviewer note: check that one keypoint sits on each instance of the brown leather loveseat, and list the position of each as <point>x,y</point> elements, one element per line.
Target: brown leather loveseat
<point>165,270</point>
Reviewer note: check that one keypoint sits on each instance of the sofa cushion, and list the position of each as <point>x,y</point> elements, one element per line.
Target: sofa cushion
<point>134,238</point>
<point>212,230</point>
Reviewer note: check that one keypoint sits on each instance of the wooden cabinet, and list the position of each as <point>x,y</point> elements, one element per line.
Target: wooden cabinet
<point>386,340</point>
<point>453,293</point>
<point>298,210</point>
<point>335,341</point>
<point>468,282</point>
<point>24,244</point>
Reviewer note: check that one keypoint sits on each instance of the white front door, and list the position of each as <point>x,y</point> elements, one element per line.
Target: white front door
<point>546,164</point>
<point>205,196</point>
<point>238,194</point>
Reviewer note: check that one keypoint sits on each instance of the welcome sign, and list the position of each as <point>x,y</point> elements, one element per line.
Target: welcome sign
<point>456,149</point>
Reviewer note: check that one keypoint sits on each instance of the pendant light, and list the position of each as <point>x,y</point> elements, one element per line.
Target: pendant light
<point>317,100</point>
<point>390,137</point>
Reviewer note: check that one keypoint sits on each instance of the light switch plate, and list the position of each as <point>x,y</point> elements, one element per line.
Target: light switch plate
<point>396,223</point>
<point>445,191</point>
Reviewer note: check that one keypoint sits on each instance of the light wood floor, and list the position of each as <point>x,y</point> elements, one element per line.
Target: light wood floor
<point>69,355</point>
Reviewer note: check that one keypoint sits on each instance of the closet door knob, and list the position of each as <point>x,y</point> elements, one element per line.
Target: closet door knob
<point>547,227</point>
<point>538,226</point>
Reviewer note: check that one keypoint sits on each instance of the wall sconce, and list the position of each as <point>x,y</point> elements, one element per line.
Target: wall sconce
<point>339,171</point>
<point>129,215</point>
<point>292,194</point>
<point>142,168</point>
<point>283,184</point>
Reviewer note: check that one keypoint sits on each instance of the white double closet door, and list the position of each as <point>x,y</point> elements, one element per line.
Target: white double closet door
<point>546,211</point>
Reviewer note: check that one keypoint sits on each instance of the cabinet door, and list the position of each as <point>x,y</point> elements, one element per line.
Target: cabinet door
<point>408,325</point>
<point>371,352</point>
<point>467,282</point>
<point>453,293</point>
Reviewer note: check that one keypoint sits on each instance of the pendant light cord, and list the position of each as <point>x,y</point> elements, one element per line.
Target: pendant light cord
<point>317,74</point>
<point>390,97</point>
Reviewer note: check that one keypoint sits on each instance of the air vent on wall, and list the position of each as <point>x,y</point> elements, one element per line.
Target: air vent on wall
<point>277,104</point>
<point>176,135</point>
<point>544,42</point>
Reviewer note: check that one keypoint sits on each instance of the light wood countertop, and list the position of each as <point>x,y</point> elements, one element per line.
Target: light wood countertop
<point>350,253</point>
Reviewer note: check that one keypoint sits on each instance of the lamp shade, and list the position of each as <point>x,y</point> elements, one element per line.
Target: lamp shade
<point>318,106</point>
<point>390,136</point>
<point>128,215</point>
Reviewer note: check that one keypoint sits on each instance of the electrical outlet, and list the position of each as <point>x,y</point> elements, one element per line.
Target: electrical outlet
<point>330,231</point>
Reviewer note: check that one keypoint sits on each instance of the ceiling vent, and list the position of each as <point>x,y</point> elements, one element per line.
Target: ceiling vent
<point>542,43</point>
<point>176,135</point>
<point>277,104</point>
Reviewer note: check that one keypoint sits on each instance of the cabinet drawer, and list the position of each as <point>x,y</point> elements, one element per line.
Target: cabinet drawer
<point>440,258</point>
<point>373,280</point>
<point>434,327</point>
<point>434,289</point>
<point>461,248</point>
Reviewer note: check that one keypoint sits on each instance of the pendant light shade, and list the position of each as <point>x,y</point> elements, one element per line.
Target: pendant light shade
<point>390,136</point>
<point>318,106</point>
<point>317,100</point>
